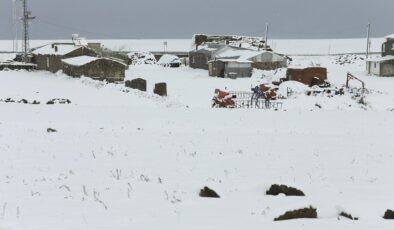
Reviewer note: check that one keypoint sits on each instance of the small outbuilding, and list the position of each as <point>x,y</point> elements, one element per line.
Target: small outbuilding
<point>230,68</point>
<point>382,66</point>
<point>199,58</point>
<point>168,60</point>
<point>97,68</point>
<point>309,76</point>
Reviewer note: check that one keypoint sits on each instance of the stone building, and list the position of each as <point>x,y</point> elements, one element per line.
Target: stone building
<point>49,57</point>
<point>96,68</point>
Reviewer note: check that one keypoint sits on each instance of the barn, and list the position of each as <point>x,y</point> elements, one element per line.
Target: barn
<point>49,57</point>
<point>96,68</point>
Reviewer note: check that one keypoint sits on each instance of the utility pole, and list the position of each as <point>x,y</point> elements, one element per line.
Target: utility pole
<point>15,25</point>
<point>266,35</point>
<point>26,21</point>
<point>368,40</point>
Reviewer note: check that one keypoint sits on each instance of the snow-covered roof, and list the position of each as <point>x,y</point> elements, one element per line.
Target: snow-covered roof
<point>390,36</point>
<point>381,59</point>
<point>246,54</point>
<point>79,61</point>
<point>168,58</point>
<point>50,49</point>
<point>83,60</point>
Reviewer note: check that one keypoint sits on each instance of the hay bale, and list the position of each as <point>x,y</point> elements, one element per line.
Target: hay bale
<point>389,215</point>
<point>310,213</point>
<point>288,191</point>
<point>347,215</point>
<point>207,192</point>
<point>137,83</point>
<point>161,89</point>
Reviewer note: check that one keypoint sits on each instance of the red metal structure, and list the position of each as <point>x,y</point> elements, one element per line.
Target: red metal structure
<point>352,77</point>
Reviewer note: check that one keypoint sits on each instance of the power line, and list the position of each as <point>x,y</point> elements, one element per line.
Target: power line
<point>72,29</point>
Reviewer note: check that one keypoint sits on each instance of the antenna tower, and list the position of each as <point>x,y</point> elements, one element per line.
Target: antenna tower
<point>26,19</point>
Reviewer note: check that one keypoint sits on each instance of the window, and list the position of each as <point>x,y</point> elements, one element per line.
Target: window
<point>193,60</point>
<point>374,65</point>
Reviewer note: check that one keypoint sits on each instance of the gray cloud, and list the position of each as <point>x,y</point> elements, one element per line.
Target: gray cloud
<point>183,18</point>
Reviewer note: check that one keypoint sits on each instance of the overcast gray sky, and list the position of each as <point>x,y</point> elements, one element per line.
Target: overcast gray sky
<point>183,18</point>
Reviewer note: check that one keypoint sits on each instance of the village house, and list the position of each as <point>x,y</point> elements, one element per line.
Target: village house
<point>212,57</point>
<point>49,57</point>
<point>384,65</point>
<point>211,52</point>
<point>96,68</point>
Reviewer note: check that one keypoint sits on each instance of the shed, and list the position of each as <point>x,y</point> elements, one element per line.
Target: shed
<point>168,60</point>
<point>97,68</point>
<point>199,58</point>
<point>230,68</point>
<point>382,66</point>
<point>49,57</point>
<point>309,76</point>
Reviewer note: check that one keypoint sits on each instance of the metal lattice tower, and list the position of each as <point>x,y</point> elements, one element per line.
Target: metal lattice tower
<point>26,21</point>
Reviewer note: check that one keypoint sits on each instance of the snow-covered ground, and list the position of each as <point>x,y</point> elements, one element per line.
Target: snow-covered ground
<point>123,159</point>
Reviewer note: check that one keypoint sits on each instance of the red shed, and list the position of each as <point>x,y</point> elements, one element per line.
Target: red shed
<point>309,76</point>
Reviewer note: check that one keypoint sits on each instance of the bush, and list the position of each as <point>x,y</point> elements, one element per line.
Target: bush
<point>207,192</point>
<point>389,214</point>
<point>50,130</point>
<point>310,213</point>
<point>347,215</point>
<point>288,191</point>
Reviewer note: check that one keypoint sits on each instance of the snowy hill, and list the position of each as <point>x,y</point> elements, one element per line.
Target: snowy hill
<point>116,158</point>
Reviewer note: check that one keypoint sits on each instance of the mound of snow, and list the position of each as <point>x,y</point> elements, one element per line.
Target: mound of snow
<point>169,59</point>
<point>294,86</point>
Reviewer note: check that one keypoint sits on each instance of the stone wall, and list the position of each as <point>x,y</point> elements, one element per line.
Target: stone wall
<point>269,65</point>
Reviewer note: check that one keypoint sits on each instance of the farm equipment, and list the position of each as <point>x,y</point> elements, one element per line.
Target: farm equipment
<point>260,97</point>
<point>352,77</point>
